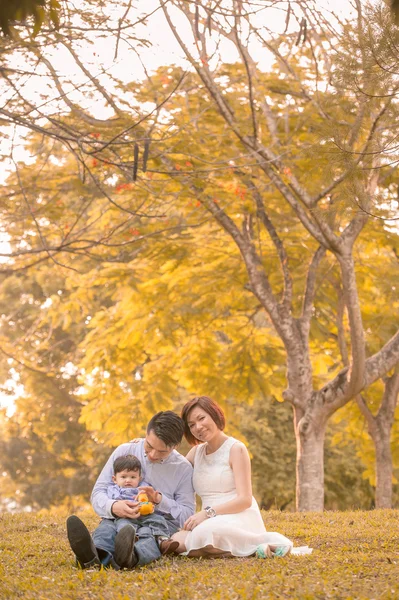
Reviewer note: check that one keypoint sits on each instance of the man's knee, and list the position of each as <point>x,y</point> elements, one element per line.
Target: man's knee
<point>104,535</point>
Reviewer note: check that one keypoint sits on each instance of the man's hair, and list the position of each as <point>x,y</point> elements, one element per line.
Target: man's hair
<point>127,463</point>
<point>168,426</point>
<point>209,406</point>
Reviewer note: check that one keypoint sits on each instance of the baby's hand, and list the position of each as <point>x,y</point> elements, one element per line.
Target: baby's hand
<point>135,441</point>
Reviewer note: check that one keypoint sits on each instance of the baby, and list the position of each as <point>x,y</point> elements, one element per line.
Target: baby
<point>125,486</point>
<point>126,480</point>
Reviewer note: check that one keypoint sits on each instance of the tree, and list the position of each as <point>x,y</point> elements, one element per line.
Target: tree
<point>370,425</point>
<point>14,11</point>
<point>239,203</point>
<point>40,96</point>
<point>44,449</point>
<point>356,134</point>
<point>267,427</point>
<point>379,427</point>
<point>127,328</point>
<point>379,415</point>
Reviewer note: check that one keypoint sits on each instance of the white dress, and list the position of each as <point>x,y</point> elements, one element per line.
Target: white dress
<point>240,533</point>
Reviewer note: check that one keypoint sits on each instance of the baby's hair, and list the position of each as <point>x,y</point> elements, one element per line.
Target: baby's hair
<point>127,463</point>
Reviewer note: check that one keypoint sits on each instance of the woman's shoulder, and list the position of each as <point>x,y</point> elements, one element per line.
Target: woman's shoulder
<point>237,447</point>
<point>199,449</point>
<point>230,447</point>
<point>233,442</point>
<point>194,452</point>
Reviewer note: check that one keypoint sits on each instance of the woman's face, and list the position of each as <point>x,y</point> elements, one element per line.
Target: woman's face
<point>201,425</point>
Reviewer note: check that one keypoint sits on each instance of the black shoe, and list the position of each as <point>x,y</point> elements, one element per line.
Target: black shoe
<point>124,554</point>
<point>81,543</point>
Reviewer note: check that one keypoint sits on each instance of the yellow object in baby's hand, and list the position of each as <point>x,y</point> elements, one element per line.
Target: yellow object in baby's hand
<point>146,507</point>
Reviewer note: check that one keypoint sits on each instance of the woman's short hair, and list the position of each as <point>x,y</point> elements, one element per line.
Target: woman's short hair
<point>209,406</point>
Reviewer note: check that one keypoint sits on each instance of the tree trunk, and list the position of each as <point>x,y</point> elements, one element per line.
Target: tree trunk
<point>379,428</point>
<point>309,424</point>
<point>309,465</point>
<point>384,471</point>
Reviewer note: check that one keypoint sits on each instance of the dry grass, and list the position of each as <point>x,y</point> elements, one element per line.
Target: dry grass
<point>356,555</point>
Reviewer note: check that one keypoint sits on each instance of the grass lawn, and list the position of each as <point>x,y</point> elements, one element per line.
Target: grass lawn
<point>356,555</point>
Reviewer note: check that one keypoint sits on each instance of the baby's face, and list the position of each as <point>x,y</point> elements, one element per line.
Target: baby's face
<point>127,479</point>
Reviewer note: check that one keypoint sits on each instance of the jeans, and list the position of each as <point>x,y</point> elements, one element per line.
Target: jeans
<point>146,547</point>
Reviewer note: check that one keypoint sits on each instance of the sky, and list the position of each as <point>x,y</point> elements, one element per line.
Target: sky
<point>127,66</point>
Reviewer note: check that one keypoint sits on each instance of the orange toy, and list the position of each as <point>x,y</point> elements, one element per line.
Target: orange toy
<point>146,507</point>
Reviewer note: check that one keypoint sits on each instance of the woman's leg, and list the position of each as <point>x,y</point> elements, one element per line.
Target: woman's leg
<point>208,551</point>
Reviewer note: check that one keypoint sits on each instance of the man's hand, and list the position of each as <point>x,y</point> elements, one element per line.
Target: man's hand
<point>126,508</point>
<point>195,520</point>
<point>153,496</point>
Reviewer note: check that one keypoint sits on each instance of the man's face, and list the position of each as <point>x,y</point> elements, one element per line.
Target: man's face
<point>155,449</point>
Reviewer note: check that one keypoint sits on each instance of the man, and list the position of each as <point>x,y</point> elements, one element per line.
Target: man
<point>171,492</point>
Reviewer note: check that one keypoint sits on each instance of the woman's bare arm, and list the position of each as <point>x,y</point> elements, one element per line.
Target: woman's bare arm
<point>191,454</point>
<point>241,466</point>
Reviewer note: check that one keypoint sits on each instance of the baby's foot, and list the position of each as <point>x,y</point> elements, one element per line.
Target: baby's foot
<point>167,545</point>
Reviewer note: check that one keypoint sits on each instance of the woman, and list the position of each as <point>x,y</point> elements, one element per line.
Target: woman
<point>230,523</point>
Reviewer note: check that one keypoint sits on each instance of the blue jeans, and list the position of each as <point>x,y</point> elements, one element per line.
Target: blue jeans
<point>146,547</point>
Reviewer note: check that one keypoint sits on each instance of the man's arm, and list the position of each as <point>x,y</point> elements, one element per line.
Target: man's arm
<point>101,503</point>
<point>182,505</point>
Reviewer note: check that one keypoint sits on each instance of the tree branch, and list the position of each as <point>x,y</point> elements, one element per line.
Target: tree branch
<point>358,349</point>
<point>282,255</point>
<point>337,392</point>
<point>310,289</point>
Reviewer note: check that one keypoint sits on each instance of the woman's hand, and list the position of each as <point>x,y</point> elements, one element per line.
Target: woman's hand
<point>194,520</point>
